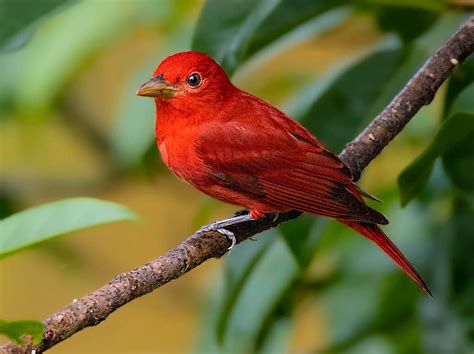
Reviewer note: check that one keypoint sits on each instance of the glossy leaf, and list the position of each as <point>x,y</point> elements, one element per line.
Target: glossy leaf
<point>459,161</point>
<point>338,112</point>
<point>407,23</point>
<point>302,237</point>
<point>396,310</point>
<point>231,31</point>
<point>461,77</point>
<point>454,130</point>
<point>14,330</point>
<point>18,18</point>
<point>276,341</point>
<point>462,244</point>
<point>414,56</point>
<point>258,296</point>
<point>446,319</point>
<point>238,268</point>
<point>91,26</point>
<point>47,221</point>
<point>347,309</point>
<point>246,269</point>
<point>414,178</point>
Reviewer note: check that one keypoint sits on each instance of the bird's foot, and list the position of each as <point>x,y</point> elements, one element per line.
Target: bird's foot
<point>214,227</point>
<point>221,227</point>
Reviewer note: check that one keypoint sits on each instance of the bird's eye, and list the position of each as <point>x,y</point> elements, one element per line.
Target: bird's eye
<point>194,80</point>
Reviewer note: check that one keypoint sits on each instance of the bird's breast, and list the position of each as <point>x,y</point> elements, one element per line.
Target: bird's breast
<point>179,155</point>
<point>164,152</point>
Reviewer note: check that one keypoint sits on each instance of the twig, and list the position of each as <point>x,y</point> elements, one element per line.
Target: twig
<point>97,306</point>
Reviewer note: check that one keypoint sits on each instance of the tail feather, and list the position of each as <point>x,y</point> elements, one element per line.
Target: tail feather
<point>374,232</point>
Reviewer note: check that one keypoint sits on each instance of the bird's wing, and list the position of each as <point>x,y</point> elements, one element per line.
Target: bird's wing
<point>278,162</point>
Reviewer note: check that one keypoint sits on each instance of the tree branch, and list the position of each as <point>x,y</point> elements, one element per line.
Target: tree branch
<point>98,305</point>
<point>419,91</point>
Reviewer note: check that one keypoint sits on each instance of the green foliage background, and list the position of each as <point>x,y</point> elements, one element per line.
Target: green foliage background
<point>71,125</point>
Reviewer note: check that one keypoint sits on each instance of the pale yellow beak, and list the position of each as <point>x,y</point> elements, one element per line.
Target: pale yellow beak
<point>158,88</point>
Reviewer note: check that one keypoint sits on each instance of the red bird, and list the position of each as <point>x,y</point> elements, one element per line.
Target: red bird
<point>241,150</point>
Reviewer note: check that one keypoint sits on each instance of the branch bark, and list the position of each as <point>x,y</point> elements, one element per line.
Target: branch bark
<point>98,305</point>
<point>419,91</point>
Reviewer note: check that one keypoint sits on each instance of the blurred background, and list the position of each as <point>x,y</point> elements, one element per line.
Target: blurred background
<point>71,125</point>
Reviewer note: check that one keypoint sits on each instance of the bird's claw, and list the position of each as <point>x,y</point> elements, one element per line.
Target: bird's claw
<point>221,227</point>
<point>212,227</point>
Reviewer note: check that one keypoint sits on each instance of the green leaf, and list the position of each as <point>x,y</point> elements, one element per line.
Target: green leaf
<point>461,246</point>
<point>435,5</point>
<point>396,309</point>
<point>453,131</point>
<point>463,103</point>
<point>18,17</point>
<point>14,330</point>
<point>92,27</point>
<point>414,56</point>
<point>372,345</point>
<point>458,163</point>
<point>231,31</point>
<point>446,320</point>
<point>462,77</point>
<point>258,297</point>
<point>407,23</point>
<point>276,341</point>
<point>347,308</point>
<point>47,221</point>
<point>414,178</point>
<point>238,267</point>
<point>237,319</point>
<point>285,17</point>
<point>302,236</point>
<point>339,111</point>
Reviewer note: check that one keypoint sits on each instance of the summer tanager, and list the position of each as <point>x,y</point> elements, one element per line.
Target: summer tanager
<point>241,150</point>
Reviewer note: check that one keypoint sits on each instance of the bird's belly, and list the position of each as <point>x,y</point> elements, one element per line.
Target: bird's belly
<point>183,163</point>
<point>188,166</point>
<point>228,195</point>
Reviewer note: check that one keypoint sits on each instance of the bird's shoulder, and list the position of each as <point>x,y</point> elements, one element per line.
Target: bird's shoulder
<point>249,131</point>
<point>249,120</point>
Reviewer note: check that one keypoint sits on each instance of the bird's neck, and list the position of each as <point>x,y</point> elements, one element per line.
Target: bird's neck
<point>178,116</point>
<point>173,119</point>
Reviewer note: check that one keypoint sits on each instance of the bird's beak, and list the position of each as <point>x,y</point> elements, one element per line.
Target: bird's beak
<point>157,87</point>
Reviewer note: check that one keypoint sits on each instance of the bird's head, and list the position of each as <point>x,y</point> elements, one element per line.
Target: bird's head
<point>186,75</point>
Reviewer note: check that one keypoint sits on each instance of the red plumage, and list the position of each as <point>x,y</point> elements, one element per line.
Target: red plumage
<point>239,149</point>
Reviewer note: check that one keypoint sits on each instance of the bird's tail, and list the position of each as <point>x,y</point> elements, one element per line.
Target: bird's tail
<point>374,232</point>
